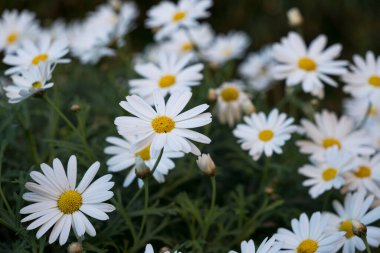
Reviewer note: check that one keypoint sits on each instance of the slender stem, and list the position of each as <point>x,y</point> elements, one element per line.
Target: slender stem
<point>157,162</point>
<point>364,238</point>
<point>213,196</point>
<point>1,188</point>
<point>265,172</point>
<point>360,125</point>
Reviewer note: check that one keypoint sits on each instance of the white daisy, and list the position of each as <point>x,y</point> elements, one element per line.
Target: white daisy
<point>30,53</point>
<point>257,69</point>
<point>309,236</point>
<point>60,203</point>
<point>29,82</point>
<point>122,158</point>
<point>149,249</point>
<point>355,210</point>
<point>363,80</point>
<point>267,246</point>
<point>330,131</point>
<point>15,27</point>
<point>165,126</point>
<point>374,132</point>
<point>309,66</point>
<point>226,47</point>
<point>230,102</point>
<point>327,174</point>
<point>366,176</point>
<point>264,134</point>
<point>360,108</point>
<point>167,17</point>
<point>171,74</point>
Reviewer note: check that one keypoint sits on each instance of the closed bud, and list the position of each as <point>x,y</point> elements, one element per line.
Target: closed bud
<point>141,169</point>
<point>359,229</point>
<point>294,17</point>
<point>75,108</point>
<point>75,247</point>
<point>211,95</point>
<point>116,4</point>
<point>248,107</point>
<point>165,250</point>
<point>206,164</point>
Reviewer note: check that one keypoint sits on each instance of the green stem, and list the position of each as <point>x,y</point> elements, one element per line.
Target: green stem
<point>364,238</point>
<point>366,115</point>
<point>264,176</point>
<point>213,196</point>
<point>1,188</point>
<point>157,162</point>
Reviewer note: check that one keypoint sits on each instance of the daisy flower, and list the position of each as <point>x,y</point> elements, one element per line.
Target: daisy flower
<point>29,82</point>
<point>168,17</point>
<point>361,108</point>
<point>327,174</point>
<point>366,176</point>
<point>60,204</point>
<point>363,80</point>
<point>122,159</point>
<point>30,53</point>
<point>15,27</point>
<point>230,102</point>
<point>149,249</point>
<point>226,48</point>
<point>264,134</point>
<point>171,74</point>
<point>309,66</point>
<point>165,126</point>
<point>330,131</point>
<point>257,69</point>
<point>355,210</point>
<point>267,246</point>
<point>309,236</point>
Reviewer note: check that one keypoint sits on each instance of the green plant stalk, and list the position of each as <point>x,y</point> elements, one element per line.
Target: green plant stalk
<point>265,172</point>
<point>366,116</point>
<point>213,196</point>
<point>364,238</point>
<point>1,188</point>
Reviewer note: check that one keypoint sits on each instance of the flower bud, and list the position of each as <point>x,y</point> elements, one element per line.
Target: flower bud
<point>141,169</point>
<point>75,247</point>
<point>165,250</point>
<point>358,228</point>
<point>294,17</point>
<point>116,4</point>
<point>248,107</point>
<point>211,95</point>
<point>206,164</point>
<point>75,108</point>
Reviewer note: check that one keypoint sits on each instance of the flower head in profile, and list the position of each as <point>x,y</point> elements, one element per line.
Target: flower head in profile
<point>355,210</point>
<point>267,246</point>
<point>328,173</point>
<point>30,53</point>
<point>309,235</point>
<point>60,203</point>
<point>15,27</point>
<point>264,134</point>
<point>29,82</point>
<point>165,125</point>
<point>231,100</point>
<point>171,74</point>
<point>329,131</point>
<point>310,66</point>
<point>123,158</point>
<point>363,80</point>
<point>167,17</point>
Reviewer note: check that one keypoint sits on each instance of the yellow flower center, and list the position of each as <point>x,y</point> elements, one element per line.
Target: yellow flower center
<point>69,202</point>
<point>329,174</point>
<point>230,94</point>
<point>329,142</point>
<point>373,111</point>
<point>167,81</point>
<point>266,135</point>
<point>307,246</point>
<point>186,47</point>
<point>347,227</point>
<point>36,85</point>
<point>144,154</point>
<point>227,52</point>
<point>178,16</point>
<point>163,124</point>
<point>12,37</point>
<point>307,64</point>
<point>374,81</point>
<point>363,172</point>
<point>39,58</point>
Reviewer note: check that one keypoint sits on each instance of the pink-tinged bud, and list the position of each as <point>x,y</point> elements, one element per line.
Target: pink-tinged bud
<point>294,17</point>
<point>206,165</point>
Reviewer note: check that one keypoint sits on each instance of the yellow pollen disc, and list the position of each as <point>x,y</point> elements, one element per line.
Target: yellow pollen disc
<point>186,47</point>
<point>227,52</point>
<point>329,142</point>
<point>12,37</point>
<point>307,64</point>
<point>374,81</point>
<point>178,16</point>
<point>347,227</point>
<point>266,135</point>
<point>329,174</point>
<point>307,246</point>
<point>167,81</point>
<point>69,202</point>
<point>373,111</point>
<point>144,154</point>
<point>163,124</point>
<point>39,58</point>
<point>229,94</point>
<point>363,172</point>
<point>37,85</point>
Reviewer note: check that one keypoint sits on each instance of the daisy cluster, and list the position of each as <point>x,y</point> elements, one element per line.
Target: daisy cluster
<point>163,121</point>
